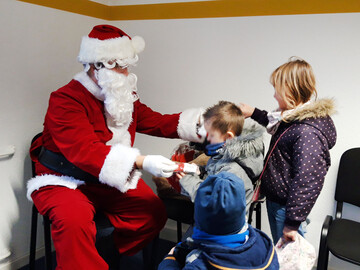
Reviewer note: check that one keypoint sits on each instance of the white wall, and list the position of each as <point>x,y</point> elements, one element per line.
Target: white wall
<point>37,51</point>
<point>186,63</point>
<point>197,62</point>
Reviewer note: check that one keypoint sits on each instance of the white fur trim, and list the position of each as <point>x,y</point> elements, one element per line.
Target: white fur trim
<point>117,170</point>
<point>187,125</point>
<point>138,43</point>
<point>50,179</point>
<point>89,84</point>
<point>93,50</point>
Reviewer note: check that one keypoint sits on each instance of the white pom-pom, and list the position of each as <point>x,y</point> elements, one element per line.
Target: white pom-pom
<point>138,44</point>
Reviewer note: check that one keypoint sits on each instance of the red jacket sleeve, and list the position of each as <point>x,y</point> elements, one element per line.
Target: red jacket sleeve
<point>154,123</point>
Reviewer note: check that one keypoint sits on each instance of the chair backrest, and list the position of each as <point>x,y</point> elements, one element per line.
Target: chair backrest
<point>32,163</point>
<point>348,179</point>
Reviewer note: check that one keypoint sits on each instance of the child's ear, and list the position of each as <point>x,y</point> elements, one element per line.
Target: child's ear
<point>230,135</point>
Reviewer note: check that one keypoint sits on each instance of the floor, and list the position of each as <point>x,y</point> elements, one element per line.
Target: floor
<point>124,263</point>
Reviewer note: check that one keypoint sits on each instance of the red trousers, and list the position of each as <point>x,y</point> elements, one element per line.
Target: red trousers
<point>137,216</point>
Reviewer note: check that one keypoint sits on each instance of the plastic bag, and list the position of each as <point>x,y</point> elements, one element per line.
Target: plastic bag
<point>296,255</point>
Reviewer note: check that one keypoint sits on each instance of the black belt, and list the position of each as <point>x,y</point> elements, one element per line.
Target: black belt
<point>58,163</point>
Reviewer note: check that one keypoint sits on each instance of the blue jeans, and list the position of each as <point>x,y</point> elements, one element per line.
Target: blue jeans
<point>276,216</point>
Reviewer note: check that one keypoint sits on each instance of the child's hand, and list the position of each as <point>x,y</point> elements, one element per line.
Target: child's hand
<point>171,252</point>
<point>189,168</point>
<point>247,110</point>
<point>180,175</point>
<point>289,234</point>
<point>198,172</point>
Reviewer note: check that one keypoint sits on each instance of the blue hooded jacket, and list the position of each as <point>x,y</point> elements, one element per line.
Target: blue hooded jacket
<point>257,253</point>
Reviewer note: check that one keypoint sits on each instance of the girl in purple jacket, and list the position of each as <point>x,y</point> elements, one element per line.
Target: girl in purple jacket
<point>295,172</point>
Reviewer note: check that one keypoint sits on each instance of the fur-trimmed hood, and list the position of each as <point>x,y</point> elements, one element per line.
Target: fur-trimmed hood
<point>316,114</point>
<point>247,150</point>
<point>316,109</point>
<point>249,143</point>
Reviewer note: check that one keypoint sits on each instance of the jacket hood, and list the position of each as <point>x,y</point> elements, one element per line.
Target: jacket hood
<point>249,143</point>
<point>317,114</point>
<point>247,150</point>
<point>316,109</point>
<point>257,253</point>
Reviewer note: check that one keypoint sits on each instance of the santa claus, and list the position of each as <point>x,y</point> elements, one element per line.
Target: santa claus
<point>87,159</point>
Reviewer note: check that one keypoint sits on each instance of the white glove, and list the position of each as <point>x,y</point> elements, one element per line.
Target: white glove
<point>159,166</point>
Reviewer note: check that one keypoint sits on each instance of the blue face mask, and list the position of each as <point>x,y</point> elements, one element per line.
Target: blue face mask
<point>213,149</point>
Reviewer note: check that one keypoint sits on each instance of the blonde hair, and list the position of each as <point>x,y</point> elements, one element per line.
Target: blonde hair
<point>294,81</point>
<point>225,116</point>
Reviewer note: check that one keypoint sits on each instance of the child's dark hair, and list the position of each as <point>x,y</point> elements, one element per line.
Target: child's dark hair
<point>225,116</point>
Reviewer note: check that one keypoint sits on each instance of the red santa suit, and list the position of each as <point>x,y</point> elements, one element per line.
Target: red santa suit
<point>77,126</point>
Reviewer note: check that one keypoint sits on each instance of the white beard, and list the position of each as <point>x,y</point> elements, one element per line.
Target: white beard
<point>120,94</point>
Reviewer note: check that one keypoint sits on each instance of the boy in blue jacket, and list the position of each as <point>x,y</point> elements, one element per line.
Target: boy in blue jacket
<point>222,239</point>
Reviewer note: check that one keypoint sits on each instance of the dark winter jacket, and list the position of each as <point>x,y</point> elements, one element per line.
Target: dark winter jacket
<point>242,156</point>
<point>295,173</point>
<point>257,253</point>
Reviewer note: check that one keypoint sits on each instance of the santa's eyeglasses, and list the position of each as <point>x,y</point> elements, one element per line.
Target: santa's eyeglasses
<point>111,65</point>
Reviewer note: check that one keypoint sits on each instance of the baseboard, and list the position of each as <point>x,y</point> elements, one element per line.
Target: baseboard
<point>22,261</point>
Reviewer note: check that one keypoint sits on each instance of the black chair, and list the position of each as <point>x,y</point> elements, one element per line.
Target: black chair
<point>47,224</point>
<point>102,224</point>
<point>180,209</point>
<point>256,206</point>
<point>342,236</point>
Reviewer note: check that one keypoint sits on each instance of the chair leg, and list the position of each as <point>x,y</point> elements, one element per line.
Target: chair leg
<point>150,254</point>
<point>34,217</point>
<point>251,210</point>
<point>323,257</point>
<point>258,216</point>
<point>155,248</point>
<point>47,236</point>
<point>179,231</point>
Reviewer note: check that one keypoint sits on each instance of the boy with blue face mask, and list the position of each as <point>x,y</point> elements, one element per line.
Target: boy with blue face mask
<point>235,147</point>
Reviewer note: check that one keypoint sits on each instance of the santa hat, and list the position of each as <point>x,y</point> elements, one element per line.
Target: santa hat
<point>220,204</point>
<point>108,43</point>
